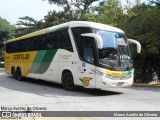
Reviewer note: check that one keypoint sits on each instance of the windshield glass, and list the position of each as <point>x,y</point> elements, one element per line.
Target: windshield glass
<point>115,52</point>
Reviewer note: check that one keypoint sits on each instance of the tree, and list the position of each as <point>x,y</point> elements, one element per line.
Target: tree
<point>145,26</point>
<point>6,32</point>
<point>108,12</point>
<point>55,18</point>
<point>77,8</point>
<point>27,25</point>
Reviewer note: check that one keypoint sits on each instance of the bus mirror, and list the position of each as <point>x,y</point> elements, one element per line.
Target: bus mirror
<point>137,43</point>
<point>96,37</point>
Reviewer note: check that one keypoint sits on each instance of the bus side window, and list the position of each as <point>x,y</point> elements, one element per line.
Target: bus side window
<point>50,41</point>
<point>63,40</point>
<point>58,39</point>
<point>88,53</point>
<point>35,47</point>
<point>16,46</point>
<point>26,45</point>
<point>77,31</point>
<point>9,47</point>
<point>67,45</point>
<point>43,42</point>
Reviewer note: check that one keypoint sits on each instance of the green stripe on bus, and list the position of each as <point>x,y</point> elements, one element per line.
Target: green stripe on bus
<point>42,61</point>
<point>128,72</point>
<point>37,61</point>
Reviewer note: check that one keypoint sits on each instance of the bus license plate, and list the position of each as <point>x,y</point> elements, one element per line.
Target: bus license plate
<point>120,83</point>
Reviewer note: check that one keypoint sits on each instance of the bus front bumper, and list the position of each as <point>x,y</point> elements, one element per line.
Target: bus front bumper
<point>103,82</point>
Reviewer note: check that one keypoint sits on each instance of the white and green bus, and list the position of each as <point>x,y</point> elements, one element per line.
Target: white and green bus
<point>76,53</point>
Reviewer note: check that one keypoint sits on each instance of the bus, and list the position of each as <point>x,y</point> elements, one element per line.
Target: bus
<point>76,53</point>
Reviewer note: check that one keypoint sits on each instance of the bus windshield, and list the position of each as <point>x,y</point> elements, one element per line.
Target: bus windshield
<point>115,52</point>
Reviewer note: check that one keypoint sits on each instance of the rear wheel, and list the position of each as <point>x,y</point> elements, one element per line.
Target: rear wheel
<point>13,72</point>
<point>18,74</point>
<point>67,81</point>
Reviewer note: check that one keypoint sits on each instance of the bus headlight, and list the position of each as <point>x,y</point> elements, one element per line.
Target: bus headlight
<point>102,74</point>
<point>105,75</point>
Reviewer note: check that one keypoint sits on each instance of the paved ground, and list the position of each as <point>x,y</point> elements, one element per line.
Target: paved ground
<point>33,93</point>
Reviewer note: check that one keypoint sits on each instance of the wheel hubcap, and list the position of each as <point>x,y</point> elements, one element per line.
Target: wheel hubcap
<point>69,81</point>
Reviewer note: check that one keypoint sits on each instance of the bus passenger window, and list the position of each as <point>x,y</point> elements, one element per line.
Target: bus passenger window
<point>50,41</point>
<point>64,40</point>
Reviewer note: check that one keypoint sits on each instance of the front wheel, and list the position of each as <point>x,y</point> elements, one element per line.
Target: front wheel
<point>67,81</point>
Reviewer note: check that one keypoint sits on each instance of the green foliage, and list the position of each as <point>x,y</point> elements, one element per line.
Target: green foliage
<point>27,25</point>
<point>55,18</point>
<point>77,9</point>
<point>58,2</point>
<point>108,12</point>
<point>72,10</point>
<point>1,57</point>
<point>144,26</point>
<point>6,32</point>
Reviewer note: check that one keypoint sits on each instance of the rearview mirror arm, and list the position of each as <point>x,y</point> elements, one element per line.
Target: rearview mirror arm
<point>137,43</point>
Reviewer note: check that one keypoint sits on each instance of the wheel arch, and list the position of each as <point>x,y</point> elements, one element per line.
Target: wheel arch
<point>67,79</point>
<point>13,70</point>
<point>18,67</point>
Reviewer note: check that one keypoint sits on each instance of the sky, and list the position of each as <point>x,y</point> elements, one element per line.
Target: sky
<point>11,10</point>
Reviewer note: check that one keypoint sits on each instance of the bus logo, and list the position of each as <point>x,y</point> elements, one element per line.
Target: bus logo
<point>85,80</point>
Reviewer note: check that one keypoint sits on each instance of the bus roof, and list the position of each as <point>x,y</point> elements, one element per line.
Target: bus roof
<point>94,25</point>
<point>70,25</point>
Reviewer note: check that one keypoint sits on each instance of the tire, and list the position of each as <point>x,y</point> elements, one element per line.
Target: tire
<point>18,74</point>
<point>13,72</point>
<point>68,82</point>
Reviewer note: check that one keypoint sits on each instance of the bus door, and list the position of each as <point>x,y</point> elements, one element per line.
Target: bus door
<point>87,67</point>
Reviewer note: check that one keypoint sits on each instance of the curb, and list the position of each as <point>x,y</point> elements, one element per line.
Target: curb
<point>146,85</point>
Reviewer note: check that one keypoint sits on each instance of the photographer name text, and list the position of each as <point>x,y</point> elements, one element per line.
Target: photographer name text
<point>33,108</point>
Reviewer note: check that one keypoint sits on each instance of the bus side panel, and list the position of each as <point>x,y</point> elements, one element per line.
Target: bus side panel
<point>68,61</point>
<point>7,63</point>
<point>44,65</point>
<point>23,60</point>
<point>87,75</point>
<point>52,74</point>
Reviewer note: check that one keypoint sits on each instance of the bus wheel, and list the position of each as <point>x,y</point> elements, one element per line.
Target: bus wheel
<point>18,74</point>
<point>67,81</point>
<point>13,72</point>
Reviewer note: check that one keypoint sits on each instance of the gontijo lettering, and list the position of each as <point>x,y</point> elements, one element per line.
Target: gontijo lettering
<point>20,56</point>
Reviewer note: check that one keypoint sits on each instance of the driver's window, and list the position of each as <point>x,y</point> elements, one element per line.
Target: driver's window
<point>88,51</point>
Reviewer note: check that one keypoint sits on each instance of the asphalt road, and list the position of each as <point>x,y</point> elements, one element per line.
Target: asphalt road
<point>34,93</point>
